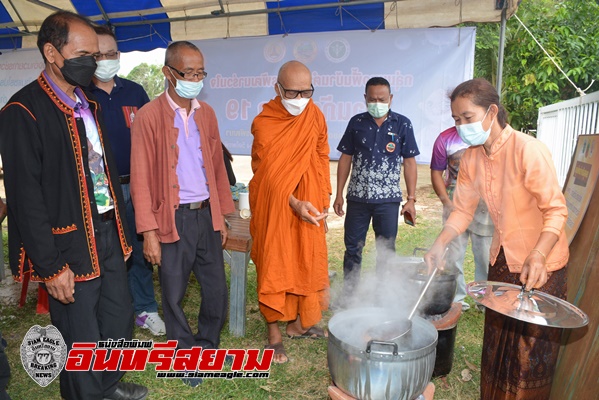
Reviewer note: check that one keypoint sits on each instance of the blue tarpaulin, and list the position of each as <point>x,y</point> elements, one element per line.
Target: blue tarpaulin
<point>148,24</point>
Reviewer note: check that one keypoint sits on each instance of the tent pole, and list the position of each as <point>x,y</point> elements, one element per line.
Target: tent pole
<point>19,16</point>
<point>104,15</point>
<point>501,51</point>
<point>42,4</point>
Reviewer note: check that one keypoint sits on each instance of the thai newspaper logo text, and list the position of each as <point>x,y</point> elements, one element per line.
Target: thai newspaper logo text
<point>168,361</point>
<point>44,354</point>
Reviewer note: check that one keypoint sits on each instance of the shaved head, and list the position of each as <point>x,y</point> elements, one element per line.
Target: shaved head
<point>291,69</point>
<point>294,75</point>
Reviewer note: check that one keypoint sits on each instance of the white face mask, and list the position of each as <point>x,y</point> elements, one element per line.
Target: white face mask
<point>107,69</point>
<point>474,134</point>
<point>295,106</point>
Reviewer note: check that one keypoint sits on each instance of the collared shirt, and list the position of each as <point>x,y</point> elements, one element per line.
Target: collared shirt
<point>154,157</point>
<point>447,152</point>
<point>94,146</point>
<point>376,156</point>
<point>118,110</point>
<point>193,185</point>
<point>519,185</point>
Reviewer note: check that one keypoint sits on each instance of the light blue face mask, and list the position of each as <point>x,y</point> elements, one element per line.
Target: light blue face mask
<point>474,134</point>
<point>378,110</point>
<point>188,89</point>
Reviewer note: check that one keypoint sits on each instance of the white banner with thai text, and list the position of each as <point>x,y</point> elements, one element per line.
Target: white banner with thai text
<point>422,66</point>
<point>17,69</point>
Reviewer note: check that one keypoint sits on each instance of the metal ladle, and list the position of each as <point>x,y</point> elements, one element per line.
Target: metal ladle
<point>428,283</point>
<point>383,330</point>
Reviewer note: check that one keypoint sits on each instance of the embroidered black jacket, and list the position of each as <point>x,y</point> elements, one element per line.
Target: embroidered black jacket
<point>49,190</point>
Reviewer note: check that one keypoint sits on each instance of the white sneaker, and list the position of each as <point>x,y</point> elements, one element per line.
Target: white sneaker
<point>465,306</point>
<point>151,321</point>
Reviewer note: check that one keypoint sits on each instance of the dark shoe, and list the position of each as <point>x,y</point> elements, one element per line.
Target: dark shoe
<point>128,391</point>
<point>192,382</point>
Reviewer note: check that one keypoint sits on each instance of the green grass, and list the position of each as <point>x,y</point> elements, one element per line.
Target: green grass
<point>304,377</point>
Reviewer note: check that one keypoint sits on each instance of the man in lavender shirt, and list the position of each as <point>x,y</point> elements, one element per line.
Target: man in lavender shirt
<point>181,193</point>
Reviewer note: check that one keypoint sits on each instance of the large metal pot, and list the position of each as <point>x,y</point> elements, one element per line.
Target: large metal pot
<point>372,369</point>
<point>440,294</point>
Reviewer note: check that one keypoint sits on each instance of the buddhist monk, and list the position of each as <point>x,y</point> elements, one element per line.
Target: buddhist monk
<point>289,199</point>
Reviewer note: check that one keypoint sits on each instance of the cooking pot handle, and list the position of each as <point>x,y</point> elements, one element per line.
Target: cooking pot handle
<point>380,343</point>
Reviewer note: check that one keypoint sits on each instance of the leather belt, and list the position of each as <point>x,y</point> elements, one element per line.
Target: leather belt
<point>108,215</point>
<point>198,205</point>
<point>125,179</point>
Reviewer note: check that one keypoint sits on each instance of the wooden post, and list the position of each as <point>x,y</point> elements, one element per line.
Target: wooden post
<point>576,372</point>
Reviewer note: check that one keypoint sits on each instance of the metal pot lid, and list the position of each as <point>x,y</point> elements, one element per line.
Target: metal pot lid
<point>534,306</point>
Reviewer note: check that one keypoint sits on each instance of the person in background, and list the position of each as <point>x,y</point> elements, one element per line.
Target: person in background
<point>447,152</point>
<point>514,174</point>
<point>372,148</point>
<point>289,199</point>
<point>181,193</point>
<point>119,100</point>
<point>65,205</point>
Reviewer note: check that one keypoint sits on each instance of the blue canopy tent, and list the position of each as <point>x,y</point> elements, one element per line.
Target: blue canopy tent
<point>148,24</point>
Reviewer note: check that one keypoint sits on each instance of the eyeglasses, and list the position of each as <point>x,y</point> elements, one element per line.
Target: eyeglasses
<point>111,55</point>
<point>292,94</point>
<point>190,75</point>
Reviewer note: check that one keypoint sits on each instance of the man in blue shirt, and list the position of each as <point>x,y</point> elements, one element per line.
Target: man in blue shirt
<point>372,148</point>
<point>119,100</point>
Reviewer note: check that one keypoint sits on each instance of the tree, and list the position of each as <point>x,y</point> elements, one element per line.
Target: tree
<point>568,30</point>
<point>150,77</point>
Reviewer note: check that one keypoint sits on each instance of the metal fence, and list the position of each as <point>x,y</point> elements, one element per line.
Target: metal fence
<point>560,124</point>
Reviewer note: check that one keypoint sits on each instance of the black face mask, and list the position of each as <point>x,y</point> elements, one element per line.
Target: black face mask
<point>79,71</point>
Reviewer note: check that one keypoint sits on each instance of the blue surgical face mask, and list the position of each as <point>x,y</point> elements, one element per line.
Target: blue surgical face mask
<point>378,110</point>
<point>188,89</point>
<point>474,134</point>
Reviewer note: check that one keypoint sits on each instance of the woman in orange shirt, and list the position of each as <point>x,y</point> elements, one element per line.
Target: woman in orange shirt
<point>514,174</point>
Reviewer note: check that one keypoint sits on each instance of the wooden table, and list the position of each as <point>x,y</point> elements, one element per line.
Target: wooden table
<point>237,255</point>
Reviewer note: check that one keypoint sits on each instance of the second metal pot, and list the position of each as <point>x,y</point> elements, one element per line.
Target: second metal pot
<point>440,295</point>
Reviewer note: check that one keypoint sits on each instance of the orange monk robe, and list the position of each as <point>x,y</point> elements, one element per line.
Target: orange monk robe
<point>290,155</point>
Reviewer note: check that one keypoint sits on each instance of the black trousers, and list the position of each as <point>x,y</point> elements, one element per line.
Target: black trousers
<point>384,218</point>
<point>199,250</point>
<point>102,310</point>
